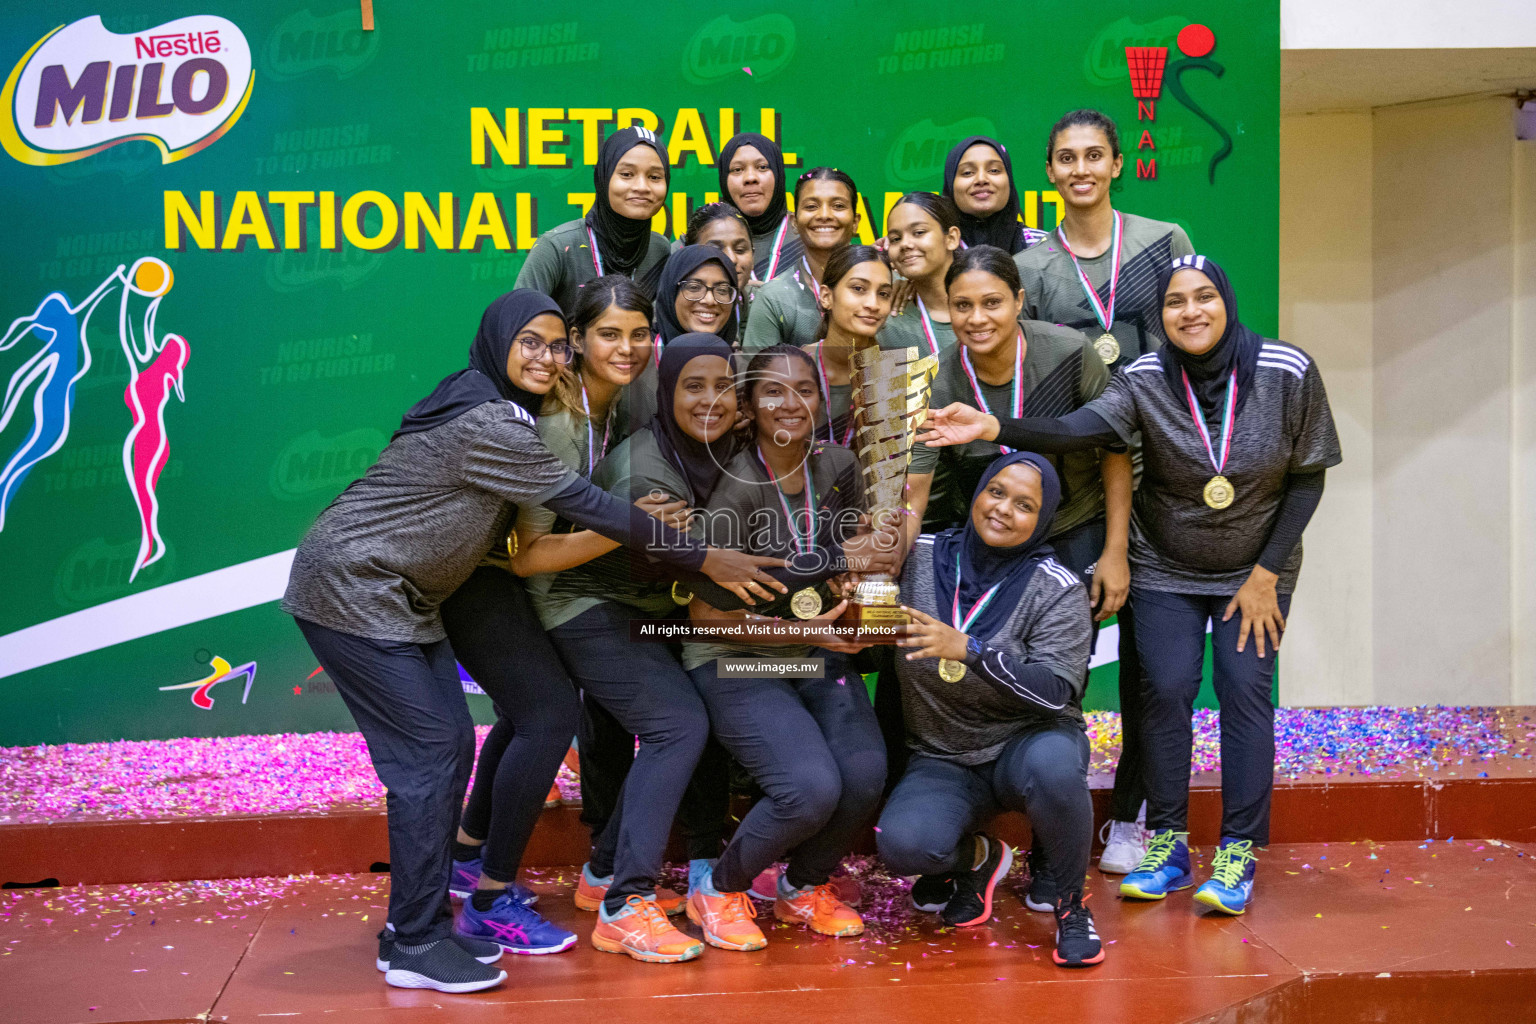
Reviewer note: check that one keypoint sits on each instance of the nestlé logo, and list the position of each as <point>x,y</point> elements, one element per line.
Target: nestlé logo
<point>81,89</point>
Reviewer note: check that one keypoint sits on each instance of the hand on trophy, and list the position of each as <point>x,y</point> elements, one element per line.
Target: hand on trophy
<point>957,424</point>
<point>878,551</point>
<point>932,638</point>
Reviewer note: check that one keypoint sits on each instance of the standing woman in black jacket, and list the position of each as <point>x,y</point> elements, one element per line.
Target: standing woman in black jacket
<point>1236,435</point>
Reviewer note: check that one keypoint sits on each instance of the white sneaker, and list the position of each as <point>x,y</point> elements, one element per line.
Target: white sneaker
<point>1125,844</point>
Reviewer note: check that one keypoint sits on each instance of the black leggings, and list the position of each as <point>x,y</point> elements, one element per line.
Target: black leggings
<point>496,635</point>
<point>1078,549</point>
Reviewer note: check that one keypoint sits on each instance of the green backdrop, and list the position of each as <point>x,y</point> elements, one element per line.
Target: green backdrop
<point>301,360</point>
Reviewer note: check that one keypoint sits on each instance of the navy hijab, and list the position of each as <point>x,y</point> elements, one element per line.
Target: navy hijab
<point>701,464</point>
<point>1002,228</point>
<point>1237,348</point>
<point>770,218</point>
<point>486,378</point>
<point>679,266</point>
<point>983,566</point>
<point>621,241</point>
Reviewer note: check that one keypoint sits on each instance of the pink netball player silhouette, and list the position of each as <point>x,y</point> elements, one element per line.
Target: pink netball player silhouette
<point>54,343</point>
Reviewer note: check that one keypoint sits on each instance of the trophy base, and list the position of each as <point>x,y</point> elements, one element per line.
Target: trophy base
<point>875,612</point>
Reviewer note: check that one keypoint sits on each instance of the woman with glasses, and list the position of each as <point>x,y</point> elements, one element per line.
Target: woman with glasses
<point>722,226</point>
<point>787,310</point>
<point>370,577</point>
<point>696,295</point>
<point>610,343</point>
<point>615,237</point>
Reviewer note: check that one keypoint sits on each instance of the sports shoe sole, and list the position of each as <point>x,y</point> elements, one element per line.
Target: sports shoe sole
<point>1004,864</point>
<point>1118,867</point>
<point>930,908</point>
<point>1126,889</point>
<point>1077,963</point>
<point>646,956</point>
<point>719,943</point>
<point>852,929</point>
<point>587,903</point>
<point>1214,902</point>
<point>1043,908</point>
<point>410,979</point>
<point>564,945</point>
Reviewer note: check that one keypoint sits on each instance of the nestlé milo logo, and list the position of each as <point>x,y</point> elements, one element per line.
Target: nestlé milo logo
<point>81,89</point>
<point>916,158</point>
<point>304,42</point>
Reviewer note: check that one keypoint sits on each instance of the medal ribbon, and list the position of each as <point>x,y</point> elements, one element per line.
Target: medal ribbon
<point>778,247</point>
<point>933,342</point>
<point>954,611</point>
<point>1227,419</point>
<point>826,397</point>
<point>804,546</point>
<point>592,455</point>
<point>1104,313</point>
<point>1018,390</point>
<point>597,258</point>
<point>816,288</point>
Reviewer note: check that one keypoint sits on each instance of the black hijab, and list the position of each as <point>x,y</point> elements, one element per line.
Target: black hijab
<point>983,566</point>
<point>679,265</point>
<point>1001,228</point>
<point>770,218</point>
<point>486,379</point>
<point>1236,349</point>
<point>622,243</point>
<point>700,463</point>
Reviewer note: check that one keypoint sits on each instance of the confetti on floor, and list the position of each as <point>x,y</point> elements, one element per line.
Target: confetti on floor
<point>328,771</point>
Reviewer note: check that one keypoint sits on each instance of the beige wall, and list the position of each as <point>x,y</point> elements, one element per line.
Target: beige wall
<point>1326,308</point>
<point>1401,274</point>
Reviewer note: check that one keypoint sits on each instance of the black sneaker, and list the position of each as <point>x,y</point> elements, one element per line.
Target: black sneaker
<point>482,950</point>
<point>972,901</point>
<point>1041,894</point>
<point>931,892</point>
<point>1077,940</point>
<point>441,965</point>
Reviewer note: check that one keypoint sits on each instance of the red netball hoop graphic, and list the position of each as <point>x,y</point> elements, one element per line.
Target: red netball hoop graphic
<point>1146,64</point>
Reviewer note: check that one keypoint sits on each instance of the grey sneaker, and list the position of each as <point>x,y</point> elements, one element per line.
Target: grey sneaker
<point>1125,843</point>
<point>482,950</point>
<point>441,965</point>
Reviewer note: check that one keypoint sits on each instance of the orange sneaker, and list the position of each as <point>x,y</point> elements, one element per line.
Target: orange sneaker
<point>820,908</point>
<point>590,891</point>
<point>642,932</point>
<point>726,919</point>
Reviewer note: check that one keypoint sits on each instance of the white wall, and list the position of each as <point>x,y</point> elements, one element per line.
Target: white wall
<point>1443,269</point>
<point>1406,24</point>
<point>1523,517</point>
<point>1408,270</point>
<point>1326,308</point>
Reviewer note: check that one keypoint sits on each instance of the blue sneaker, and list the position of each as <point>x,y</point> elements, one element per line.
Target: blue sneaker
<point>514,926</point>
<point>1231,883</point>
<point>1163,870</point>
<point>465,877</point>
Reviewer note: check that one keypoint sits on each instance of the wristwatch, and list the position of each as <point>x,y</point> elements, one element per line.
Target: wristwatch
<point>972,650</point>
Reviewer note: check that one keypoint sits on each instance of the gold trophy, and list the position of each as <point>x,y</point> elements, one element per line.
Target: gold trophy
<point>890,390</point>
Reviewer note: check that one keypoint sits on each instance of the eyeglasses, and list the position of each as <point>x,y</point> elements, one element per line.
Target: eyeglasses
<point>693,290</point>
<point>534,349</point>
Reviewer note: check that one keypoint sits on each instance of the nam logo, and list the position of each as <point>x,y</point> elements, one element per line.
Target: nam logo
<point>219,671</point>
<point>1151,72</point>
<point>81,89</point>
<point>727,47</point>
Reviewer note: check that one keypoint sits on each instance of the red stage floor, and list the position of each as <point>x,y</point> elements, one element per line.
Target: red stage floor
<point>1341,932</point>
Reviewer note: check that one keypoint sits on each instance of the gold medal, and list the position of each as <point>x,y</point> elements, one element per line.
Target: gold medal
<point>680,599</point>
<point>806,604</point>
<point>951,671</point>
<point>1219,492</point>
<point>1107,348</point>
